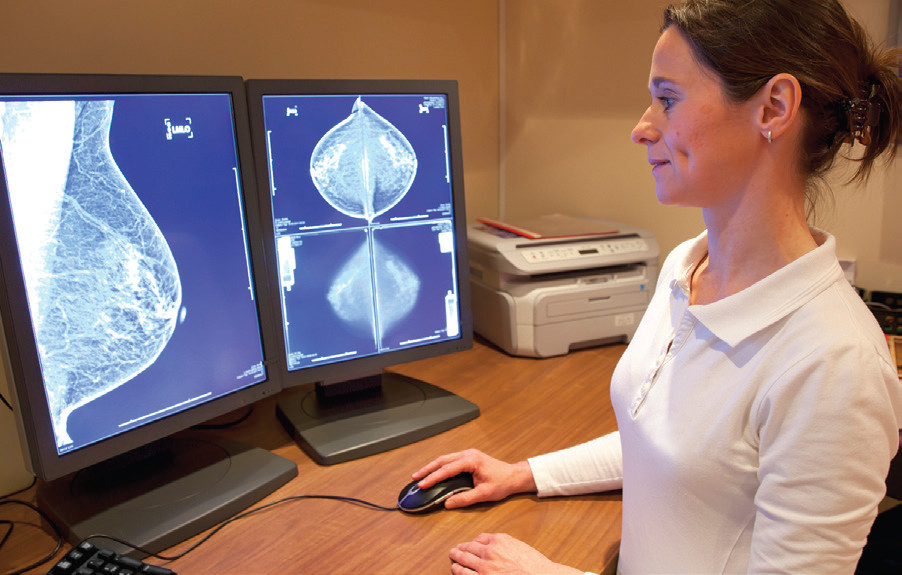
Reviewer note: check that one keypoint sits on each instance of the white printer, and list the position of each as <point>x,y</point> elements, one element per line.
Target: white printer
<point>540,295</point>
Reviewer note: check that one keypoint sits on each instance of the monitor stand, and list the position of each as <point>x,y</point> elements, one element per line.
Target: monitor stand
<point>384,412</point>
<point>166,493</point>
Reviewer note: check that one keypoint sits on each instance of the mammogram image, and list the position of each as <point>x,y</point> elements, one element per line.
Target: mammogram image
<point>103,288</point>
<point>364,165</point>
<point>386,284</point>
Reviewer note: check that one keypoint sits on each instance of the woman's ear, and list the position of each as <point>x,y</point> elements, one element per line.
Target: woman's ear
<point>779,100</point>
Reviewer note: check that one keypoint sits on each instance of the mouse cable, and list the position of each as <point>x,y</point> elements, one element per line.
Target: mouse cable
<point>11,524</point>
<point>9,529</point>
<point>6,403</point>
<point>242,515</point>
<point>249,512</point>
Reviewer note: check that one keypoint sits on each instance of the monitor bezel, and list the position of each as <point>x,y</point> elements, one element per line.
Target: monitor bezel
<point>339,372</point>
<point>33,417</point>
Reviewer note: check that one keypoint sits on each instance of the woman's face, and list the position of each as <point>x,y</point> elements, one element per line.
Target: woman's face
<point>699,144</point>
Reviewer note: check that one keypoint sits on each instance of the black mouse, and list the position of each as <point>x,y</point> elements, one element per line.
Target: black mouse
<point>412,499</point>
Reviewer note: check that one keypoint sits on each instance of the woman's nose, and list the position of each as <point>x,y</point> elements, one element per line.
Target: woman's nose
<point>644,133</point>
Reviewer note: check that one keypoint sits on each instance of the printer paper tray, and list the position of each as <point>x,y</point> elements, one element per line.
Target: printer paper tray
<point>556,307</point>
<point>551,322</point>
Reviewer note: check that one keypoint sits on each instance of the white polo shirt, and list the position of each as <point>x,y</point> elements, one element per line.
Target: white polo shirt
<point>756,431</point>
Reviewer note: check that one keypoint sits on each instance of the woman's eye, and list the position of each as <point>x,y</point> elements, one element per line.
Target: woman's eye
<point>666,102</point>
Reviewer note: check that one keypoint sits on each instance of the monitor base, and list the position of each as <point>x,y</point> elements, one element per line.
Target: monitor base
<point>186,484</point>
<point>406,411</point>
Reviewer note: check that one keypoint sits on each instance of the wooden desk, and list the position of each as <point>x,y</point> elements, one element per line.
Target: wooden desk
<point>528,407</point>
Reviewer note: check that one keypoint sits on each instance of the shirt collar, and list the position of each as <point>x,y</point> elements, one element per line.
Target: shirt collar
<point>769,300</point>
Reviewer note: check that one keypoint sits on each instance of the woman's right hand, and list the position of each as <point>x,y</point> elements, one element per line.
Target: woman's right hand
<point>493,480</point>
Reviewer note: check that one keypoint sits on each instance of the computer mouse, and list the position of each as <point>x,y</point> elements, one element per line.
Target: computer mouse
<point>412,499</point>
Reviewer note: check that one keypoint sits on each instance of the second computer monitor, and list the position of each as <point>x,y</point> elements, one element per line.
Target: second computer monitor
<point>368,228</point>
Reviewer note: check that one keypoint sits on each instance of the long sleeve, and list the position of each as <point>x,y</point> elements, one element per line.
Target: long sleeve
<point>590,467</point>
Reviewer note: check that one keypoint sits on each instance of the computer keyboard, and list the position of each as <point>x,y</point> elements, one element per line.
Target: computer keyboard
<point>88,559</point>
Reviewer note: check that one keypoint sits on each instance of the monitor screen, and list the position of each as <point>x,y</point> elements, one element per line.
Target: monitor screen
<point>130,261</point>
<point>368,234</point>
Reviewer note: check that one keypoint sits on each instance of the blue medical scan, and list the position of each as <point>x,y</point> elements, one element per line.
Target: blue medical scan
<point>361,200</point>
<point>130,226</point>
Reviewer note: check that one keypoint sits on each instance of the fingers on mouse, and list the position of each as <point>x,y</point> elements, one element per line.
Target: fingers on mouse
<point>412,499</point>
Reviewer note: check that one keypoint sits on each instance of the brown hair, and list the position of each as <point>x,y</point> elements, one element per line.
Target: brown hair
<point>850,90</point>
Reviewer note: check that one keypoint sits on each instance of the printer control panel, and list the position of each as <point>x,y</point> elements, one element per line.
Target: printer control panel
<point>584,249</point>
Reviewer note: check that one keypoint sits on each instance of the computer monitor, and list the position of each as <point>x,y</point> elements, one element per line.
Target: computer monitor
<point>130,257</point>
<point>365,221</point>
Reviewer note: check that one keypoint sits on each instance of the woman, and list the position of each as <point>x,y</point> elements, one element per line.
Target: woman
<point>757,406</point>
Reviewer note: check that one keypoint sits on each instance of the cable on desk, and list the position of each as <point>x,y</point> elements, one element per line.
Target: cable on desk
<point>9,529</point>
<point>247,513</point>
<point>215,530</point>
<point>59,536</point>
<point>5,402</point>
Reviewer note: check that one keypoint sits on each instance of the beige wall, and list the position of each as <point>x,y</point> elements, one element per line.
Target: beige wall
<point>867,220</point>
<point>575,83</point>
<point>278,38</point>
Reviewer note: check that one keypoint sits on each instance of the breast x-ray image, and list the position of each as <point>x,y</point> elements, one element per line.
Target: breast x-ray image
<point>130,234</point>
<point>105,290</point>
<point>364,165</point>
<point>362,203</point>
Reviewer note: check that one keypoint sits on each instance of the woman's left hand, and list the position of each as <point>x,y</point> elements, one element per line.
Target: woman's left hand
<point>499,553</point>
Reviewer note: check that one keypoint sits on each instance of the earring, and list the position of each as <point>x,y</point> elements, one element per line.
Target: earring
<point>770,137</point>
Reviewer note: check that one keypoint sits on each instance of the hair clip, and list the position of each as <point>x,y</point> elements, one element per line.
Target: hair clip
<point>861,114</point>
